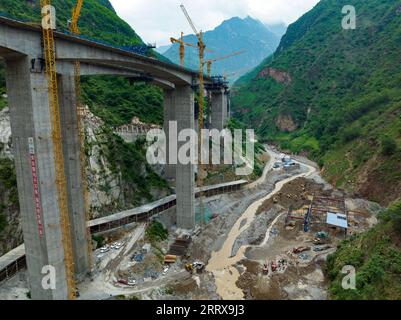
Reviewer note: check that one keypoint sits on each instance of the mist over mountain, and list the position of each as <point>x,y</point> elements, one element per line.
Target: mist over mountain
<point>335,94</point>
<point>233,35</point>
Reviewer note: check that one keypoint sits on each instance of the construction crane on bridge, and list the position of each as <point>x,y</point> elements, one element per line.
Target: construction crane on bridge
<point>182,44</point>
<point>201,101</point>
<point>61,183</point>
<point>211,61</point>
<point>76,13</point>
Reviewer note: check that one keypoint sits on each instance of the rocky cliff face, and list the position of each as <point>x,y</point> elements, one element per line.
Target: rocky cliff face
<point>10,228</point>
<point>110,190</point>
<point>278,75</point>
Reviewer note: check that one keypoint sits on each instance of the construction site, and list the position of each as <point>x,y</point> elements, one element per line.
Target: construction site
<point>267,240</point>
<point>241,239</point>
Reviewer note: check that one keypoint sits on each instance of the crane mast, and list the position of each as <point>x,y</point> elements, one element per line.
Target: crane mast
<point>201,101</point>
<point>61,184</point>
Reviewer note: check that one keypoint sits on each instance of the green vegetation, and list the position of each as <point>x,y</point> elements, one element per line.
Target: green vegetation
<point>3,220</point>
<point>376,256</point>
<point>137,181</point>
<point>389,146</point>
<point>259,148</point>
<point>98,21</point>
<point>117,101</point>
<point>169,291</point>
<point>156,232</point>
<point>8,190</point>
<point>344,96</point>
<point>129,160</point>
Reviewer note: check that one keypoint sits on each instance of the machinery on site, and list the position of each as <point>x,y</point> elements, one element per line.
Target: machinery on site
<point>197,266</point>
<point>61,183</point>
<point>211,61</point>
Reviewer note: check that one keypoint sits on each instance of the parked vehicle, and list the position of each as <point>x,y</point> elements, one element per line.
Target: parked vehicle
<point>123,281</point>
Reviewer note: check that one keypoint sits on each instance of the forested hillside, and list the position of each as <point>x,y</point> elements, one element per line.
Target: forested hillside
<point>376,257</point>
<point>335,94</point>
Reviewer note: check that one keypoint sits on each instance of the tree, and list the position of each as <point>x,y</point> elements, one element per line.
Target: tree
<point>389,146</point>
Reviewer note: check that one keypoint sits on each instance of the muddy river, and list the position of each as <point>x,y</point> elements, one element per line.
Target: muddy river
<point>221,263</point>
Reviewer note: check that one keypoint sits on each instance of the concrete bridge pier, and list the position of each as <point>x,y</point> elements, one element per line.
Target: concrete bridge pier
<point>185,173</point>
<point>72,165</point>
<point>169,115</point>
<point>34,161</point>
<point>219,112</point>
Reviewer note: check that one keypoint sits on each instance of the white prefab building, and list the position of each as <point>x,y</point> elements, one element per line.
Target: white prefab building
<point>337,220</point>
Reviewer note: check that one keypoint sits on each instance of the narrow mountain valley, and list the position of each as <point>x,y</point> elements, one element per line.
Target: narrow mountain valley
<point>321,204</point>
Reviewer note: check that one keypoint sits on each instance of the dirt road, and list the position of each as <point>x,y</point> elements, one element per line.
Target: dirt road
<point>221,263</point>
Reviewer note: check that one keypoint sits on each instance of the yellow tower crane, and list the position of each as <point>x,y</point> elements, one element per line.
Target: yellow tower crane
<point>182,47</point>
<point>61,184</point>
<point>210,61</point>
<point>76,13</point>
<point>201,49</point>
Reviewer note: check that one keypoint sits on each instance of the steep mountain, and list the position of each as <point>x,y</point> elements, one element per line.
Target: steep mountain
<point>98,19</point>
<point>163,49</point>
<point>278,29</point>
<point>233,35</point>
<point>336,94</point>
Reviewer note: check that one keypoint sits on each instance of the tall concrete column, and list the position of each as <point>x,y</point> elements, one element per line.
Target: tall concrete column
<point>35,168</point>
<point>169,115</point>
<point>72,164</point>
<point>185,173</point>
<point>228,101</point>
<point>219,109</point>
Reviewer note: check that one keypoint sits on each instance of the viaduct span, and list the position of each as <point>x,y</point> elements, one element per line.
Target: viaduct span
<point>27,89</point>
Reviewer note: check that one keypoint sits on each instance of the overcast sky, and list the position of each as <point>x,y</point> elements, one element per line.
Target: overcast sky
<point>158,20</point>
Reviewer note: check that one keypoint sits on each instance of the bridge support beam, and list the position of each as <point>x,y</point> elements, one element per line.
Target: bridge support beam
<point>185,173</point>
<point>34,161</point>
<point>72,164</point>
<point>169,115</point>
<point>219,112</point>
